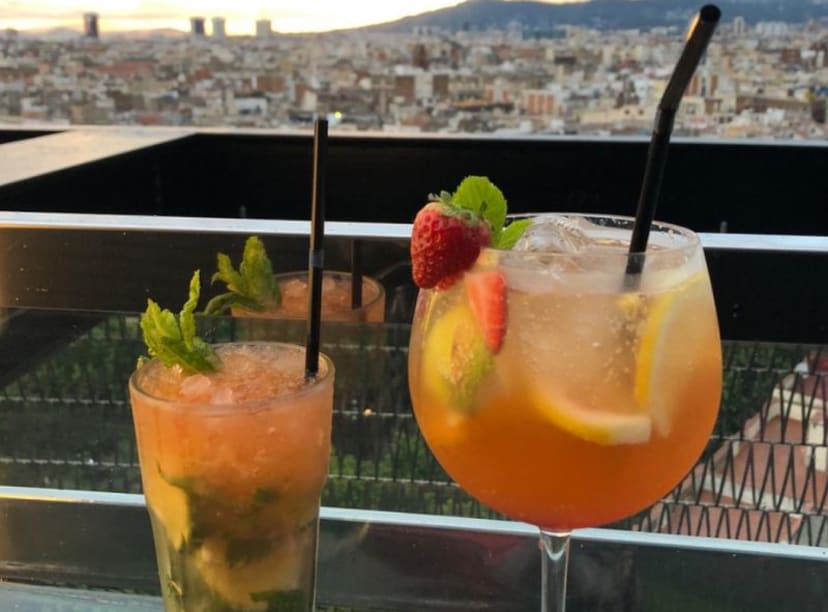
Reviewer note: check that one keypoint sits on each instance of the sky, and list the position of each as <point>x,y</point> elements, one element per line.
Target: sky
<point>286,15</point>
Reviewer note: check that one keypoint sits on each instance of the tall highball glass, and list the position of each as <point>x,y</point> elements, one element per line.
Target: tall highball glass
<point>602,393</point>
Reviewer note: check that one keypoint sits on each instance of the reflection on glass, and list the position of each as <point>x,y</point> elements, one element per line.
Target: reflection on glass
<point>336,299</point>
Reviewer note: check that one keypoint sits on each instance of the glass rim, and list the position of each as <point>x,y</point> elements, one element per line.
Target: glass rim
<point>243,406</point>
<point>370,280</point>
<point>692,240</point>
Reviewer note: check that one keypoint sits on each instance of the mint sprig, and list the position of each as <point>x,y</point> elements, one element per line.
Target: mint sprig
<point>479,195</point>
<point>173,340</point>
<point>512,233</point>
<point>251,287</point>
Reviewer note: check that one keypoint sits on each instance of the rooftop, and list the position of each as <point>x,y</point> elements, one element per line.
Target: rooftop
<point>95,216</point>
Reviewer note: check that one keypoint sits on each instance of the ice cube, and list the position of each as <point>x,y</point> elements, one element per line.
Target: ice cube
<point>555,234</point>
<point>222,396</point>
<point>294,288</point>
<point>196,388</point>
<point>328,283</point>
<point>554,242</point>
<point>566,252</point>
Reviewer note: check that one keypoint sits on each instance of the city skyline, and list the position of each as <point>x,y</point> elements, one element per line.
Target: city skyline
<point>768,80</point>
<point>286,15</point>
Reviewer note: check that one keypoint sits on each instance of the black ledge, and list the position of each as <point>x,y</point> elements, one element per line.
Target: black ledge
<point>744,186</point>
<point>765,289</point>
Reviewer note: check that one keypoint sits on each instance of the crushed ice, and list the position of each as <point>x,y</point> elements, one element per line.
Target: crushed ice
<point>200,388</point>
<point>196,387</point>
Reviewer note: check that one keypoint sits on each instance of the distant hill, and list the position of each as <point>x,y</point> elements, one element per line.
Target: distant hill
<point>601,14</point>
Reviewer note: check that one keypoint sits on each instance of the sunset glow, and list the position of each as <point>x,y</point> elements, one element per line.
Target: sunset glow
<point>286,15</point>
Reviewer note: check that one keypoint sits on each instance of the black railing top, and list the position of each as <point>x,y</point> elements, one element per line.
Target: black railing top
<point>749,186</point>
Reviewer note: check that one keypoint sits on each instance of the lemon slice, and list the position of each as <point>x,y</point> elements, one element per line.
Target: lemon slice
<point>599,426</point>
<point>279,569</point>
<point>663,343</point>
<point>455,358</point>
<point>170,506</point>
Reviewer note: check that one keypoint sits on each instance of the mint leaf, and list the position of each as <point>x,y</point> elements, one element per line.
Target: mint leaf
<point>479,194</point>
<point>252,286</point>
<point>173,339</point>
<point>257,272</point>
<point>228,274</point>
<point>281,601</point>
<point>241,551</point>
<point>186,317</point>
<point>210,514</point>
<point>225,301</point>
<point>511,234</point>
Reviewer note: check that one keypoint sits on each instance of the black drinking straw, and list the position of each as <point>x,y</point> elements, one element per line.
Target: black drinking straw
<point>316,254</point>
<point>356,274</point>
<point>701,31</point>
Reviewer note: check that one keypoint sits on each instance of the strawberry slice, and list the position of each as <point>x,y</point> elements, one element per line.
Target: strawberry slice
<point>486,292</point>
<point>445,242</point>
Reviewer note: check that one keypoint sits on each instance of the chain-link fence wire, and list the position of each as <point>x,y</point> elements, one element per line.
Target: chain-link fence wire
<point>66,423</point>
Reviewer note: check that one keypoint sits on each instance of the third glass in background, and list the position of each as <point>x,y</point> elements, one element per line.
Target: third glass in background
<point>336,299</point>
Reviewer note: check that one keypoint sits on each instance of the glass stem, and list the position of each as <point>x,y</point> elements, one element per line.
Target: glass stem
<point>554,563</point>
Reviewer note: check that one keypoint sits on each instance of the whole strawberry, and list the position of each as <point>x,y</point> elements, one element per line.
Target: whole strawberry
<point>449,232</point>
<point>445,242</point>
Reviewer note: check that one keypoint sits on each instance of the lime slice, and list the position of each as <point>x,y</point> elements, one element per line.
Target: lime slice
<point>666,339</point>
<point>599,426</point>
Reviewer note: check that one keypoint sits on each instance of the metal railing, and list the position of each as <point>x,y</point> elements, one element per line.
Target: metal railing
<point>72,287</point>
<point>66,423</point>
<point>385,561</point>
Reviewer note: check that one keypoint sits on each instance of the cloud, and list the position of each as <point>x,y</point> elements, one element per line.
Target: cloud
<point>61,10</point>
<point>287,15</point>
<point>177,9</point>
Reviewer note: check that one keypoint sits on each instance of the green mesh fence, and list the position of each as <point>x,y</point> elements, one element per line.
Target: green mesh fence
<point>65,423</point>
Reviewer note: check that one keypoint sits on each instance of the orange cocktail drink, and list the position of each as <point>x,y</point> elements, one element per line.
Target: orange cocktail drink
<point>254,291</point>
<point>336,299</point>
<point>233,463</point>
<point>601,396</point>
